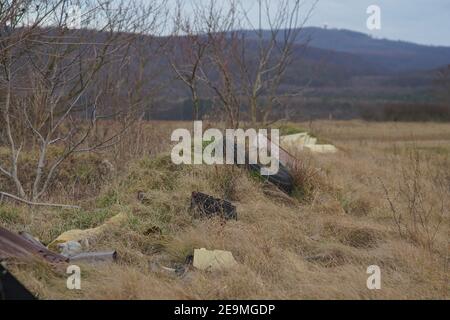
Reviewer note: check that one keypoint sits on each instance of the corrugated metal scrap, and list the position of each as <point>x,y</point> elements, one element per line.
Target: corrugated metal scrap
<point>24,247</point>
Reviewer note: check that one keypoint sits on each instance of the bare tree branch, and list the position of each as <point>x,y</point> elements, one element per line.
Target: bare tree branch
<point>37,204</point>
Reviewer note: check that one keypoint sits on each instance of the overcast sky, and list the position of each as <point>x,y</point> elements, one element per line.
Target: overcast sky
<point>420,21</point>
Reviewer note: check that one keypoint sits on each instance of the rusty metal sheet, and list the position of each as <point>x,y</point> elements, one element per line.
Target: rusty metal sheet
<point>13,245</point>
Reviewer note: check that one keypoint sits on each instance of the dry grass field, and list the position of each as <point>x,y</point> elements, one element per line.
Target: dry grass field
<point>383,200</point>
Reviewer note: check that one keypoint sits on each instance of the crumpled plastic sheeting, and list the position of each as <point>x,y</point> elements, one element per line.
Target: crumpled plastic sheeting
<point>84,236</point>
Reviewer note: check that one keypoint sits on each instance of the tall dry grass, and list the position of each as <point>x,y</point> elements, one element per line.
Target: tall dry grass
<point>316,245</point>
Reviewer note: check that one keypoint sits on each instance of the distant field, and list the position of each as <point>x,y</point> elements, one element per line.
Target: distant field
<point>383,200</point>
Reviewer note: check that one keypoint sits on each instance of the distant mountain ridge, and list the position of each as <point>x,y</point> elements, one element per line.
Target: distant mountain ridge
<point>388,56</point>
<point>343,74</point>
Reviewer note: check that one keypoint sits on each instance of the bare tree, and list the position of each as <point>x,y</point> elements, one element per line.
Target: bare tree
<point>242,64</point>
<point>201,55</point>
<point>56,81</point>
<point>188,48</point>
<point>263,73</point>
<point>14,32</point>
<point>219,70</point>
<point>18,19</point>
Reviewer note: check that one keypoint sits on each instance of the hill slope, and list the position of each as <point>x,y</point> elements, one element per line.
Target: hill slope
<point>389,55</point>
<point>286,248</point>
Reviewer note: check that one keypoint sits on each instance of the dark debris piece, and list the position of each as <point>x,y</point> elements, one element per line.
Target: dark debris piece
<point>209,206</point>
<point>11,288</point>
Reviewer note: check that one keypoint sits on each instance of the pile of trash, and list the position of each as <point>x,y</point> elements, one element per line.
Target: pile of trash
<point>66,249</point>
<point>304,141</point>
<point>73,245</point>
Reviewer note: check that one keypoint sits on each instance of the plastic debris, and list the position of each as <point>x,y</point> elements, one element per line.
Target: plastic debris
<point>322,148</point>
<point>70,248</point>
<point>93,257</point>
<point>178,269</point>
<point>283,178</point>
<point>215,260</point>
<point>209,206</point>
<point>84,236</point>
<point>303,141</point>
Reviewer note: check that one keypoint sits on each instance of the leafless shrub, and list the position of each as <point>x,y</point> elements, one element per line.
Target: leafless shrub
<point>419,207</point>
<point>59,82</point>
